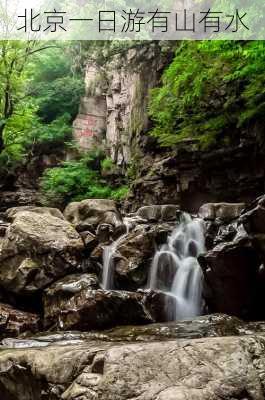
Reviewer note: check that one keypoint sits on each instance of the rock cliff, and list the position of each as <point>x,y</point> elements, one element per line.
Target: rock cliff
<point>113,113</point>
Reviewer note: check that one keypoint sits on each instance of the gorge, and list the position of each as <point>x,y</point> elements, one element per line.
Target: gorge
<point>136,270</point>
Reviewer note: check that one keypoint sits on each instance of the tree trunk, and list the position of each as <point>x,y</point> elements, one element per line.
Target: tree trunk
<point>2,127</point>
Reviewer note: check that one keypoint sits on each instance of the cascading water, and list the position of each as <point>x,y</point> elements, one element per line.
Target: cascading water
<point>108,261</point>
<point>176,271</point>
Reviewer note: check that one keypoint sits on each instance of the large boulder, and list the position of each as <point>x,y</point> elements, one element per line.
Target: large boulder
<point>226,368</point>
<point>36,250</point>
<point>132,254</point>
<point>89,214</point>
<point>132,259</point>
<point>224,211</point>
<point>96,309</point>
<point>234,265</point>
<point>231,272</point>
<point>60,292</point>
<point>13,322</point>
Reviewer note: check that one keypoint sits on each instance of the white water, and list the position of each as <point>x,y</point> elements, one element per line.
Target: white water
<point>176,271</point>
<point>108,261</point>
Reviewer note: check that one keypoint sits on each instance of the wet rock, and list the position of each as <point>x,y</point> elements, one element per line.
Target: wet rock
<point>98,309</point>
<point>133,254</point>
<point>214,325</point>
<point>156,213</point>
<point>202,369</point>
<point>231,274</point>
<point>88,214</point>
<point>132,259</point>
<point>59,293</point>
<point>14,322</point>
<point>105,233</point>
<point>254,219</point>
<point>3,228</point>
<point>206,326</point>
<point>226,233</point>
<point>223,211</point>
<point>36,250</point>
<point>90,240</point>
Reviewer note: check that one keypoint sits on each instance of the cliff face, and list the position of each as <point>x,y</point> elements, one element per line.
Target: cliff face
<point>114,111</point>
<point>113,115</point>
<point>191,177</point>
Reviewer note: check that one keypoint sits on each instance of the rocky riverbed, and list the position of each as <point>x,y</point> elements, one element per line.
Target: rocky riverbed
<point>65,336</point>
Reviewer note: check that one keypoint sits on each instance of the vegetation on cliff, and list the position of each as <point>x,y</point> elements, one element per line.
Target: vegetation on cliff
<point>211,91</point>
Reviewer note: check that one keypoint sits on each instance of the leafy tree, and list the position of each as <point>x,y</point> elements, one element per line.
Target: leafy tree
<point>14,60</point>
<point>56,84</point>
<point>40,93</point>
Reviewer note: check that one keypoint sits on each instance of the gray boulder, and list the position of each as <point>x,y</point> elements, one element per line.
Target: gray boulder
<point>36,250</point>
<point>11,213</point>
<point>156,213</point>
<point>224,211</point>
<point>231,277</point>
<point>88,215</point>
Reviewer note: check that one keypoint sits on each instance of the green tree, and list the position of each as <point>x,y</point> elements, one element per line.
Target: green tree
<point>14,59</point>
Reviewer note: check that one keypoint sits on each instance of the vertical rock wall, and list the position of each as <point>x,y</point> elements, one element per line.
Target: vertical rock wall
<point>90,124</point>
<point>113,112</point>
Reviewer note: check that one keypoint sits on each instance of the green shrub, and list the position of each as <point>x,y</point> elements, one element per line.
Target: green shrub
<point>107,165</point>
<point>77,180</point>
<point>120,193</point>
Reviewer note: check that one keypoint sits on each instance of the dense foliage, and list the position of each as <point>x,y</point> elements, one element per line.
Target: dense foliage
<point>210,92</point>
<point>79,179</point>
<point>40,94</point>
<point>56,85</point>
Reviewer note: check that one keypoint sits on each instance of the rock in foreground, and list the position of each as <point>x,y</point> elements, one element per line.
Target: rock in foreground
<point>200,369</point>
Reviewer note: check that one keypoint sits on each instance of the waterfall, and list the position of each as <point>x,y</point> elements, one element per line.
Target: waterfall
<point>108,260</point>
<point>176,271</point>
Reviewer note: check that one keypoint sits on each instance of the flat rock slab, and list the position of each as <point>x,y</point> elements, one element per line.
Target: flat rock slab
<point>200,369</point>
